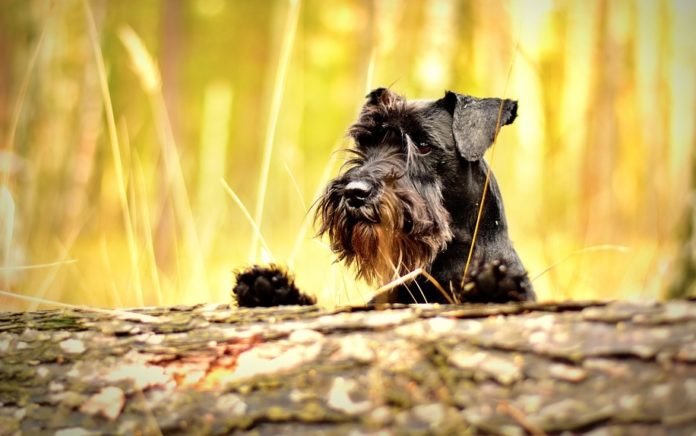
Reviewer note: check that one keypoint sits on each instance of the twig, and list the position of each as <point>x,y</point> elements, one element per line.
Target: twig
<point>412,275</point>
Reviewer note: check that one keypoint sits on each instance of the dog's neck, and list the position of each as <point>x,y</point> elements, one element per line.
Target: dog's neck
<point>464,203</point>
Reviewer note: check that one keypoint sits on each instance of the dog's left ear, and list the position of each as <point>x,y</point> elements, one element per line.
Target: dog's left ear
<point>475,121</point>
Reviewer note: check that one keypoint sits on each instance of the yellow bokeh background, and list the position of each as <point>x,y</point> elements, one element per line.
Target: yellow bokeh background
<point>137,137</point>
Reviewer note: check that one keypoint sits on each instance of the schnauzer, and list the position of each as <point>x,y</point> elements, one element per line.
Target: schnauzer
<point>409,198</point>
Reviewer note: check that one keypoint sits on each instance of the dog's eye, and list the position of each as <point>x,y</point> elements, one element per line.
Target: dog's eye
<point>423,148</point>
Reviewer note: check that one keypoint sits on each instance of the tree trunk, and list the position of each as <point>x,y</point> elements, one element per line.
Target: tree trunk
<point>209,369</point>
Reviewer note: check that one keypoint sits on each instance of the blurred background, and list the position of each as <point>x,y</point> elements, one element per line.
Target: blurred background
<point>149,148</point>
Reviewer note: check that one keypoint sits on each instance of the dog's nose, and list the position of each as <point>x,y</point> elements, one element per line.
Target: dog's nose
<point>357,193</point>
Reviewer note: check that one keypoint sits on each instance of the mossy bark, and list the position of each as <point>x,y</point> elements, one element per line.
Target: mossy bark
<point>209,369</point>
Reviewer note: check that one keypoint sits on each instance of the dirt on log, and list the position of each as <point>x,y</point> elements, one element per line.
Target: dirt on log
<point>602,368</point>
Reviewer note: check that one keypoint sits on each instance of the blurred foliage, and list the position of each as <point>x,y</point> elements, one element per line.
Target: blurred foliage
<point>124,204</point>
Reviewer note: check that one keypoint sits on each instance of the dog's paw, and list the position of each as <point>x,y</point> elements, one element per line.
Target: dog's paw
<point>266,286</point>
<point>495,282</point>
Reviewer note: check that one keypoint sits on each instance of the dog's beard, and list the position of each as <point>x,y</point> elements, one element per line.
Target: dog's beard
<point>385,240</point>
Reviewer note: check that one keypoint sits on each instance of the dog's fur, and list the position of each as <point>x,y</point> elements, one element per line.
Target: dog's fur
<point>409,198</point>
<point>410,195</point>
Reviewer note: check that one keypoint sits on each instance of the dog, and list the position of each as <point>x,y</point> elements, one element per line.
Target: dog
<point>409,198</point>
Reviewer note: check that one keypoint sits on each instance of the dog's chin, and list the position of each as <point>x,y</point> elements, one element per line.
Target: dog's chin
<point>383,240</point>
<point>367,214</point>
<point>381,253</point>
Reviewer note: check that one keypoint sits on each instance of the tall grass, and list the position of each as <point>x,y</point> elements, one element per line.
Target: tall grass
<point>131,157</point>
<point>276,101</point>
<point>133,253</point>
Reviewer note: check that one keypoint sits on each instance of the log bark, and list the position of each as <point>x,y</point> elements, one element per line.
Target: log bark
<point>209,369</point>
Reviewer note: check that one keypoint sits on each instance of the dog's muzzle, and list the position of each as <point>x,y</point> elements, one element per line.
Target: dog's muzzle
<point>357,193</point>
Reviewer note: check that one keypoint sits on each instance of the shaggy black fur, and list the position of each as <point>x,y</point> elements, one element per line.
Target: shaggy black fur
<point>410,195</point>
<point>409,198</point>
<point>260,286</point>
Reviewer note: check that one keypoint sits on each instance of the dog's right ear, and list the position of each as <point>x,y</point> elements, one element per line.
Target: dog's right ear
<point>375,95</point>
<point>475,121</point>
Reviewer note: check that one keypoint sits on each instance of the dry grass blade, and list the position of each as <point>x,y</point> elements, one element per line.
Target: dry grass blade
<point>119,313</point>
<point>116,153</point>
<point>307,221</point>
<point>65,246</point>
<point>412,275</point>
<point>401,280</point>
<point>148,72</point>
<point>395,276</point>
<point>143,64</point>
<point>23,88</point>
<point>606,247</point>
<point>7,224</point>
<point>296,186</point>
<point>439,287</point>
<point>490,169</point>
<point>247,215</point>
<point>370,74</point>
<point>38,265</point>
<point>147,229</point>
<point>483,197</point>
<point>278,87</point>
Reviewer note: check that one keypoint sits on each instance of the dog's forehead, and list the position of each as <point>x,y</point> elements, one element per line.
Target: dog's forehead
<point>410,111</point>
<point>390,117</point>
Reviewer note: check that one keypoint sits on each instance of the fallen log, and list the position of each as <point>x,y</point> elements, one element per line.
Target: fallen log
<point>211,369</point>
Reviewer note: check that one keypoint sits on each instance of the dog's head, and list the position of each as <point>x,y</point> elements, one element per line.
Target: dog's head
<point>385,211</point>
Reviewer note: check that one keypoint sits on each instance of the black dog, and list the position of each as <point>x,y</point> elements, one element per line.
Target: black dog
<point>409,198</point>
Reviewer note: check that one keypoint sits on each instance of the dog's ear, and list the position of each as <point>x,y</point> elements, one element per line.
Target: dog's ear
<point>382,97</point>
<point>374,96</point>
<point>475,121</point>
